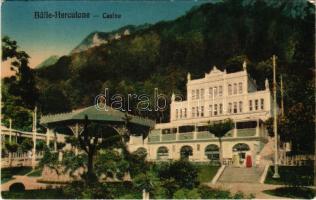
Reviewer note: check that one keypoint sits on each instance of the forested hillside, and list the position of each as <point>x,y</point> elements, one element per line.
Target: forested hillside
<point>222,34</point>
<point>160,56</point>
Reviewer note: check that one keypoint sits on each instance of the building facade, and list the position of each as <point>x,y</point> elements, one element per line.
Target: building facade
<point>217,96</point>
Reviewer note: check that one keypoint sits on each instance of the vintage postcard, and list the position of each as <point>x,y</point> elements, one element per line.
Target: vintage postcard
<point>174,99</point>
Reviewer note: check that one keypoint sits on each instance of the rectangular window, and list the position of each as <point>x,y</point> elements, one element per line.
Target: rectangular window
<point>197,112</point>
<point>235,107</point>
<point>210,92</point>
<point>202,111</point>
<point>250,105</point>
<point>240,106</point>
<point>202,93</point>
<point>193,94</point>
<point>210,110</point>
<point>177,113</point>
<point>193,112</point>
<point>180,113</point>
<point>240,88</point>
<point>262,104</point>
<point>220,108</point>
<point>185,113</point>
<point>197,94</point>
<point>235,88</point>
<point>215,109</point>
<point>230,108</point>
<point>229,89</point>
<point>215,91</point>
<point>220,91</point>
<point>256,104</point>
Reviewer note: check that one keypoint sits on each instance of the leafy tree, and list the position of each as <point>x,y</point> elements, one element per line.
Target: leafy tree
<point>27,144</point>
<point>297,127</point>
<point>20,92</point>
<point>110,163</point>
<point>40,145</point>
<point>182,172</point>
<point>12,147</point>
<point>220,129</point>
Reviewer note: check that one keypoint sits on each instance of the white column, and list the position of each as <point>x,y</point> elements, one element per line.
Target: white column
<point>10,131</point>
<point>47,136</point>
<point>235,129</point>
<point>257,128</point>
<point>55,141</point>
<point>195,132</point>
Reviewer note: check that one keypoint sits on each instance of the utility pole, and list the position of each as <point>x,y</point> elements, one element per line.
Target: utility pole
<point>34,138</point>
<point>275,125</point>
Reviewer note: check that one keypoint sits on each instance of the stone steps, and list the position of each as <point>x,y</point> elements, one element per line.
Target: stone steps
<point>241,175</point>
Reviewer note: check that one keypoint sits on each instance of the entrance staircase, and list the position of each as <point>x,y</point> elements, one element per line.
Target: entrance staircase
<point>233,174</point>
<point>241,175</point>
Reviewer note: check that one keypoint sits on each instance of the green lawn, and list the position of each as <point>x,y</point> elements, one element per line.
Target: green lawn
<point>302,175</point>
<point>36,172</point>
<point>206,172</point>
<point>34,194</point>
<point>7,173</point>
<point>292,192</point>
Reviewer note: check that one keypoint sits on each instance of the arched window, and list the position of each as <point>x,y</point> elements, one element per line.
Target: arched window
<point>229,89</point>
<point>185,152</point>
<point>162,153</point>
<point>212,152</point>
<point>141,151</point>
<point>241,149</point>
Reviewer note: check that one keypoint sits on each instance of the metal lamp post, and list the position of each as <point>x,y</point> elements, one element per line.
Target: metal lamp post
<point>275,128</point>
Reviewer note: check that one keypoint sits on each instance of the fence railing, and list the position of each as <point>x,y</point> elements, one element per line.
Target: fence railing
<point>297,160</point>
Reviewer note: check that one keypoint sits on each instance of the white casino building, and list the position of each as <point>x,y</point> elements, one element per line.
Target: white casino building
<point>218,95</point>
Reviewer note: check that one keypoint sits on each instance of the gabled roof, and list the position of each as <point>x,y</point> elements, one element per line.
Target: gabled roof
<point>109,115</point>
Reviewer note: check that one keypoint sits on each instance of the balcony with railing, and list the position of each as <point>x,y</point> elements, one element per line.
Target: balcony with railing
<point>156,136</point>
<point>186,136</point>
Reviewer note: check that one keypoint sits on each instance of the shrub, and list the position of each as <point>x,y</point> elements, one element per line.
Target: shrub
<point>79,190</point>
<point>11,147</point>
<point>17,187</point>
<point>210,193</point>
<point>292,192</point>
<point>40,145</point>
<point>187,194</point>
<point>183,172</point>
<point>26,145</point>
